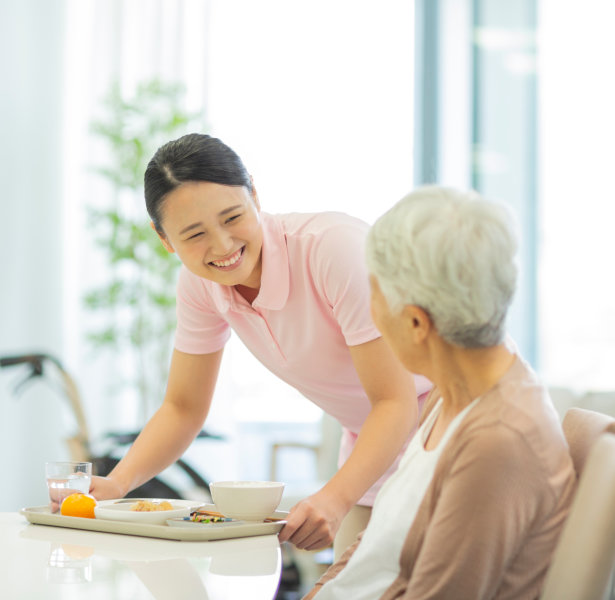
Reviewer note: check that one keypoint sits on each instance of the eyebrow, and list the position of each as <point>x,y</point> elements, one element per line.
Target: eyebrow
<point>187,229</point>
<point>220,214</point>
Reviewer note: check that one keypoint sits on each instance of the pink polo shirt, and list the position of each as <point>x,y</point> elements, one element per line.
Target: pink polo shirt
<point>313,303</point>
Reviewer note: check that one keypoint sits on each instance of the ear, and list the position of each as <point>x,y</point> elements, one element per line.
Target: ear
<point>163,239</point>
<point>418,323</point>
<point>255,195</point>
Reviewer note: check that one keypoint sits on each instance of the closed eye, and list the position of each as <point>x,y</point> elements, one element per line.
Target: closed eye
<point>196,235</point>
<point>231,219</point>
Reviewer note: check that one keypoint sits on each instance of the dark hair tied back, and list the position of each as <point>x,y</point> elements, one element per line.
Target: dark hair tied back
<point>193,157</point>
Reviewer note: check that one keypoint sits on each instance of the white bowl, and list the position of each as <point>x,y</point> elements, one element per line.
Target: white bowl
<point>247,500</point>
<point>119,510</point>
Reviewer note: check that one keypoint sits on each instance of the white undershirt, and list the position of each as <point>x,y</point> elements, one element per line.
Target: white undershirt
<point>375,564</point>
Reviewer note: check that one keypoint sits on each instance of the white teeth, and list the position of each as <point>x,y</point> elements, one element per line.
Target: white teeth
<point>229,262</point>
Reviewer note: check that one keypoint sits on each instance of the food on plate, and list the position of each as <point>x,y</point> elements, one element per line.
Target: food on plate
<point>207,516</point>
<point>78,505</point>
<point>149,506</point>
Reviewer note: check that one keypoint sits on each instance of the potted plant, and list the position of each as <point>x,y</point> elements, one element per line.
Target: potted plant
<point>135,306</point>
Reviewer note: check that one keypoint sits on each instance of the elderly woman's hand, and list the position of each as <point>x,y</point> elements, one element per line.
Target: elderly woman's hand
<point>313,522</point>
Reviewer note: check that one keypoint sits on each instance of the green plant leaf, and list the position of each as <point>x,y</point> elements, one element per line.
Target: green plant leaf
<point>142,274</point>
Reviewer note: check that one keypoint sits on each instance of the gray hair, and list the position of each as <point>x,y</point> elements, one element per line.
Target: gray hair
<point>451,253</point>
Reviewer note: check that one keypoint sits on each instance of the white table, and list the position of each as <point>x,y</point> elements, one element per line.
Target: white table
<point>42,562</point>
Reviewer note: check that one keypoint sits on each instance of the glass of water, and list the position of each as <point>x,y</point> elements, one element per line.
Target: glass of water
<point>66,477</point>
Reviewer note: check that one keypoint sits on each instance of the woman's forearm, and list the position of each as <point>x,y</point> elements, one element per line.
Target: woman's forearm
<point>163,440</point>
<point>383,434</point>
<point>393,416</point>
<point>192,380</point>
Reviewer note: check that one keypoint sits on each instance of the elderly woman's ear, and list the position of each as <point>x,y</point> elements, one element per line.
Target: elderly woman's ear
<point>417,323</point>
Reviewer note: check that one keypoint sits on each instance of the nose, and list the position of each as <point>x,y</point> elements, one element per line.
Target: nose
<point>221,242</point>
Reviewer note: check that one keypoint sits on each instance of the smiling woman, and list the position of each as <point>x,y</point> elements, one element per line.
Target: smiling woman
<point>294,289</point>
<point>204,207</point>
<point>215,231</point>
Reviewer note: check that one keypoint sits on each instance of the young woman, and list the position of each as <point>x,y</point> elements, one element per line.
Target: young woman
<point>482,492</point>
<point>294,289</point>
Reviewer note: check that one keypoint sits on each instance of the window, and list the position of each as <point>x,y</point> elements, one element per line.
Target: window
<point>476,81</point>
<point>576,158</point>
<point>515,99</point>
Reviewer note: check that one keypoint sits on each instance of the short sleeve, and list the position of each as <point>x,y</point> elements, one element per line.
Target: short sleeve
<point>200,328</point>
<point>338,263</point>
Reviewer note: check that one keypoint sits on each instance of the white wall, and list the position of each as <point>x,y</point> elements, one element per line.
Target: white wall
<point>31,263</point>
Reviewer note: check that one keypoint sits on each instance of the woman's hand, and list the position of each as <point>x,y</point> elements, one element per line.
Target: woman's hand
<point>102,488</point>
<point>105,488</point>
<point>313,522</point>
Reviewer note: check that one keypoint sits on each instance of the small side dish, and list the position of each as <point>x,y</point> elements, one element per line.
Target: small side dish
<point>207,516</point>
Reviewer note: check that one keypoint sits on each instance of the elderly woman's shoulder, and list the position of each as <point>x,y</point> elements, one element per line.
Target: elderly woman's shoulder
<point>520,400</point>
<point>518,413</point>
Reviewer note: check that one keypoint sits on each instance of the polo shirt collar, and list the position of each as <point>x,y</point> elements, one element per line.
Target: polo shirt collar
<point>275,274</point>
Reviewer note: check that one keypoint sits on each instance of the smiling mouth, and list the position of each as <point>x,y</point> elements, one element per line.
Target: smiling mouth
<point>230,261</point>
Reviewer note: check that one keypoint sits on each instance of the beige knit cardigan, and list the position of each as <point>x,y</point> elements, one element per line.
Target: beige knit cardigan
<point>492,514</point>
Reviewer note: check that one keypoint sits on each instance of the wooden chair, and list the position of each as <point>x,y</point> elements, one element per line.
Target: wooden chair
<point>583,561</point>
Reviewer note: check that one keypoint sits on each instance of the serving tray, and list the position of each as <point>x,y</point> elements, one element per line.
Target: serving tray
<point>41,515</point>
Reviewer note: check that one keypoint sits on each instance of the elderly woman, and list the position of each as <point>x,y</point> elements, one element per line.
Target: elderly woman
<point>482,491</point>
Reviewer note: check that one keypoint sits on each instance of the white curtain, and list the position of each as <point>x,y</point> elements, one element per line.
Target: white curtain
<point>130,42</point>
<point>58,61</point>
<point>31,269</point>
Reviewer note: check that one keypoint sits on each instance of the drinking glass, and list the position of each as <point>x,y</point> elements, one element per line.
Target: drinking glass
<point>67,477</point>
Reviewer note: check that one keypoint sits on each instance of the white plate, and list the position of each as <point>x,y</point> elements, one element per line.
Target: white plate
<point>119,510</point>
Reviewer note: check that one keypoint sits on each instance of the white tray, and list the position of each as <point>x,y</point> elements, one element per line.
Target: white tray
<point>41,515</point>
